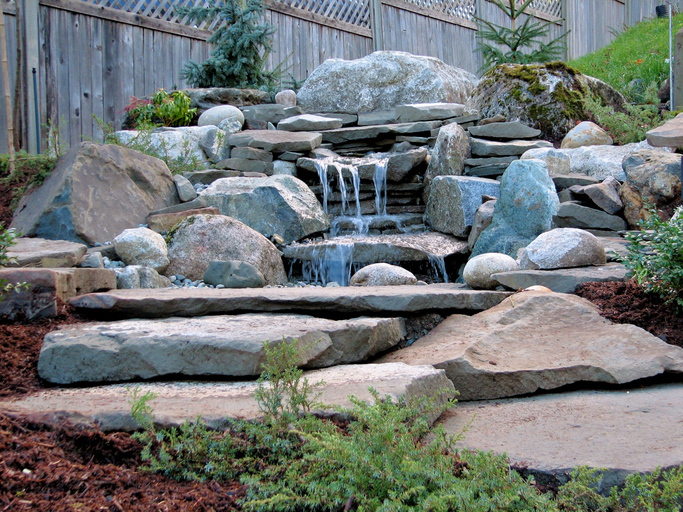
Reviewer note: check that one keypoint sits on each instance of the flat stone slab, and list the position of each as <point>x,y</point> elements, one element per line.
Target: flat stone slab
<point>669,135</point>
<point>538,341</point>
<point>382,248</point>
<point>490,148</point>
<point>48,286</point>
<point>346,300</point>
<point>109,405</point>
<point>428,111</point>
<point>510,130</point>
<point>308,122</point>
<point>565,280</point>
<point>277,141</point>
<point>229,346</point>
<point>625,431</point>
<point>354,133</point>
<point>39,252</point>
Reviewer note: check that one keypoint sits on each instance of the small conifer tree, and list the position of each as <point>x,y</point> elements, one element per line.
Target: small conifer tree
<point>241,44</point>
<point>517,43</point>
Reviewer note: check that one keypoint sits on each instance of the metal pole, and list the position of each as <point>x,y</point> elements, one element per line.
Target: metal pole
<point>35,100</point>
<point>671,62</point>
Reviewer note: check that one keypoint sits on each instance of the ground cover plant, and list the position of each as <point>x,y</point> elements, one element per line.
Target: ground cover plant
<point>637,54</point>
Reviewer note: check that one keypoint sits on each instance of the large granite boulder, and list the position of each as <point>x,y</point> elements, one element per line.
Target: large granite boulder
<point>652,177</point>
<point>198,146</point>
<point>94,193</point>
<point>549,97</point>
<point>200,239</point>
<point>453,201</point>
<point>527,203</point>
<point>450,151</point>
<point>381,81</point>
<point>563,248</point>
<point>599,162</point>
<point>538,340</point>
<point>282,205</point>
<point>142,246</point>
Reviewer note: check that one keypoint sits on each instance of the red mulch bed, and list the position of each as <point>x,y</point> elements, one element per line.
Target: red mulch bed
<point>627,303</point>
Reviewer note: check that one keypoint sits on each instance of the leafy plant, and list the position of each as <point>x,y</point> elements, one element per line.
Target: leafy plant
<point>7,237</point>
<point>162,110</point>
<point>655,256</point>
<point>523,44</point>
<point>242,44</point>
<point>29,171</point>
<point>283,393</point>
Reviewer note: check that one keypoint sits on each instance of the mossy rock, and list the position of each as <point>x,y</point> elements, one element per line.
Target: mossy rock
<point>549,97</point>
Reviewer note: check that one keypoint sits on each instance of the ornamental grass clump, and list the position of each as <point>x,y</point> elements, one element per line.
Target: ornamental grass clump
<point>655,256</point>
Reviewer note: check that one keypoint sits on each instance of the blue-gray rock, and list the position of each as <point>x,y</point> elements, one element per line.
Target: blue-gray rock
<point>453,201</point>
<point>72,203</point>
<point>528,201</point>
<point>234,274</point>
<point>186,191</point>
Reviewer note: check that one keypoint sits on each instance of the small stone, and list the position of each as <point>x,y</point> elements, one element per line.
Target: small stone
<point>586,134</point>
<point>478,270</point>
<point>234,274</point>
<point>382,274</point>
<point>286,98</point>
<point>215,115</point>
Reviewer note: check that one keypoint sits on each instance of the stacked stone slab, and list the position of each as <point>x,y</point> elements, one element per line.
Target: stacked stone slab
<point>495,145</point>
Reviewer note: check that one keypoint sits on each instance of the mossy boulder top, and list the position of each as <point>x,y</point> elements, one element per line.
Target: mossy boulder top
<point>549,97</point>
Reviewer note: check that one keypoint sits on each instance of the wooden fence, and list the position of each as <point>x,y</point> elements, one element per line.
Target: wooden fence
<point>91,56</point>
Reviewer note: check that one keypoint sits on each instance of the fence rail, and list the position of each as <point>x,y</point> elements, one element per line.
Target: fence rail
<point>91,56</point>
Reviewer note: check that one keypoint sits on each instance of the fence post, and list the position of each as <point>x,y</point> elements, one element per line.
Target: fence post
<point>31,62</point>
<point>566,25</point>
<point>377,25</point>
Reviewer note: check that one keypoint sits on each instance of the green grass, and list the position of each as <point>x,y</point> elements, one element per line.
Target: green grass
<point>639,52</point>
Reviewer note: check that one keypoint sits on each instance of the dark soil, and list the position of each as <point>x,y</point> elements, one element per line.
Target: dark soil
<point>627,303</point>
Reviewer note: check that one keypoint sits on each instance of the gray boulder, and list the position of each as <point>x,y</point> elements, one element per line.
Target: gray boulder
<point>605,195</point>
<point>513,130</point>
<point>586,133</point>
<point>286,98</point>
<point>572,215</point>
<point>204,99</point>
<point>450,151</point>
<point>528,201</point>
<point>652,177</point>
<point>563,248</point>
<point>478,270</point>
<point>482,220</point>
<point>72,204</point>
<point>454,200</point>
<point>215,115</point>
<point>428,111</point>
<point>382,274</point>
<point>200,239</point>
<point>234,274</point>
<point>142,246</point>
<point>137,276</point>
<point>277,141</point>
<point>549,97</point>
<point>310,123</point>
<point>282,205</point>
<point>381,81</point>
<point>186,191</point>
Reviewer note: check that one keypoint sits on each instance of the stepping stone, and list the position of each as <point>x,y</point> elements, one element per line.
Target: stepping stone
<point>229,346</point>
<point>624,431</point>
<point>538,341</point>
<point>276,141</point>
<point>510,131</point>
<point>378,249</point>
<point>49,286</point>
<point>490,148</point>
<point>428,111</point>
<point>565,280</point>
<point>215,401</point>
<point>246,165</point>
<point>334,301</point>
<point>39,252</point>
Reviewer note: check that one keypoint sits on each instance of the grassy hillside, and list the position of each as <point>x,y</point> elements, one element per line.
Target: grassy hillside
<point>639,52</point>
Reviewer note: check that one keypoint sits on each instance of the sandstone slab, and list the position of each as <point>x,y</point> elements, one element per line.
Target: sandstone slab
<point>109,406</point>
<point>565,280</point>
<point>48,286</point>
<point>345,301</point>
<point>623,431</point>
<point>538,341</point>
<point>276,141</point>
<point>357,133</point>
<point>40,252</point>
<point>231,346</point>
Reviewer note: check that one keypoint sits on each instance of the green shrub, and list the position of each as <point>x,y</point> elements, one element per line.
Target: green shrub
<point>655,256</point>
<point>520,45</point>
<point>29,171</point>
<point>241,46</point>
<point>162,110</point>
<point>7,237</point>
